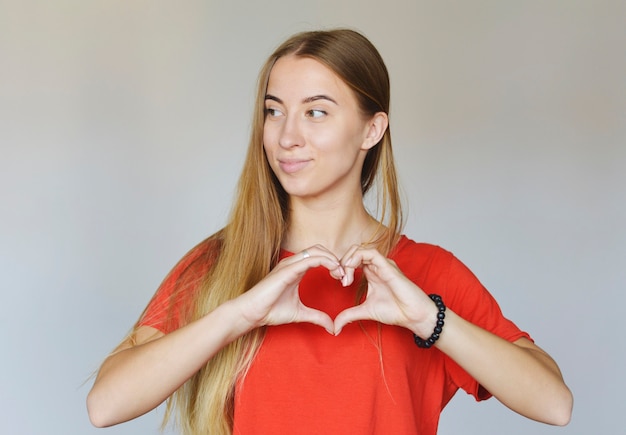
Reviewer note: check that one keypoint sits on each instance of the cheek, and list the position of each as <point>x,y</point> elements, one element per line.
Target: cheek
<point>345,141</point>
<point>269,146</point>
<point>269,137</point>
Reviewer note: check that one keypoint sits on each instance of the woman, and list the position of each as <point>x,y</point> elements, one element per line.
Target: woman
<point>306,314</point>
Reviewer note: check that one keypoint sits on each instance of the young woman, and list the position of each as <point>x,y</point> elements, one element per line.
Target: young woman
<point>305,313</point>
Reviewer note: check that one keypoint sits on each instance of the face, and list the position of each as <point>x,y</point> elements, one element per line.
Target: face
<point>315,136</point>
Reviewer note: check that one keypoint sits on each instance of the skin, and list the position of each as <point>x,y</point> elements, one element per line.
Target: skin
<point>314,118</point>
<point>314,135</point>
<point>316,138</point>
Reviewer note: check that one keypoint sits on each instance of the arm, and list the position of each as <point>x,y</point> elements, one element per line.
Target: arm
<point>519,374</point>
<point>141,374</point>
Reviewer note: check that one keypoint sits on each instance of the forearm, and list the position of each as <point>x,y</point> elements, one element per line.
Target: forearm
<point>521,375</point>
<point>138,378</point>
<point>135,380</point>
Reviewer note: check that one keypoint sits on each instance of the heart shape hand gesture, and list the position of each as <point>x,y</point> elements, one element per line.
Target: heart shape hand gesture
<point>391,297</point>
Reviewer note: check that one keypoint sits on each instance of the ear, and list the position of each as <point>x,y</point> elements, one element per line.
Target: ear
<point>376,128</point>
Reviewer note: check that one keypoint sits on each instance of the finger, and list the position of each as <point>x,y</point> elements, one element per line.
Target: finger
<point>290,274</point>
<point>362,255</point>
<point>319,250</point>
<point>338,273</point>
<point>356,256</point>
<point>349,253</point>
<point>348,267</point>
<point>313,251</point>
<point>350,315</point>
<point>371,259</point>
<point>316,317</point>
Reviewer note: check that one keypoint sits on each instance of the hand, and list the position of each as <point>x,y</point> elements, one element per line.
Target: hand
<point>275,299</point>
<point>391,297</point>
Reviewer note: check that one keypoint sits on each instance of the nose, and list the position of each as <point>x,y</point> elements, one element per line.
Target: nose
<point>290,133</point>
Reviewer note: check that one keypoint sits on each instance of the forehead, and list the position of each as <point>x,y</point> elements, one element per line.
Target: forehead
<point>303,77</point>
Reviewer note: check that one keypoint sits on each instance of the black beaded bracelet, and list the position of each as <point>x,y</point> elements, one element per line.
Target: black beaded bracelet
<point>426,344</point>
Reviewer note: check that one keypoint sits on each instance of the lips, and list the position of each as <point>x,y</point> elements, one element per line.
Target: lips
<point>291,166</point>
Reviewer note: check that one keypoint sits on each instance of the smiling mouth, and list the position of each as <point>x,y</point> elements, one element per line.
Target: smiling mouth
<point>292,166</point>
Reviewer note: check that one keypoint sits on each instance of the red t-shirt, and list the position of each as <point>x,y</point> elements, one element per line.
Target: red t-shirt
<point>371,378</point>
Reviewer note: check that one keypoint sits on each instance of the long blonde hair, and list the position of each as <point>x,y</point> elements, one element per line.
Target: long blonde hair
<point>249,245</point>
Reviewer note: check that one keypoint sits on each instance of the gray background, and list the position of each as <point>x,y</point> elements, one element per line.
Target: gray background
<point>123,127</point>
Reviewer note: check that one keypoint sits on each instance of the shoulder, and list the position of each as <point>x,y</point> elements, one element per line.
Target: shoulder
<point>410,255</point>
<point>172,301</point>
<point>436,270</point>
<point>190,270</point>
<point>432,267</point>
<point>208,249</point>
<point>199,258</point>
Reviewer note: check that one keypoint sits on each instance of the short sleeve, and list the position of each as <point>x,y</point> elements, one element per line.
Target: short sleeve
<point>436,270</point>
<point>171,305</point>
<point>467,297</point>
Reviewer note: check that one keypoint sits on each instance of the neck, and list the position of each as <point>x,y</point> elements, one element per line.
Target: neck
<point>336,225</point>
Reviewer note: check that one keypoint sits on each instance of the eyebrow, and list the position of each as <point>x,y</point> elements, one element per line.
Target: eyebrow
<point>305,101</point>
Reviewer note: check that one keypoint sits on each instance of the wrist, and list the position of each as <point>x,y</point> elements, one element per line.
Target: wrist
<point>233,314</point>
<point>427,339</point>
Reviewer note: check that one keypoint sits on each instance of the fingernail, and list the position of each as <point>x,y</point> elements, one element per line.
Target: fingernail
<point>344,280</point>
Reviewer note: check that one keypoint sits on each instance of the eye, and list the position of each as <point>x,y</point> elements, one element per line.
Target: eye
<point>270,111</point>
<point>316,113</point>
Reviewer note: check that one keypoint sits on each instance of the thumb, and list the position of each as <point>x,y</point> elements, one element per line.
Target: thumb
<point>316,317</point>
<point>350,315</point>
